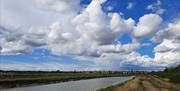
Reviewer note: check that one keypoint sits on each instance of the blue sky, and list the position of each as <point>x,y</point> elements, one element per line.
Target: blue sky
<point>89,35</point>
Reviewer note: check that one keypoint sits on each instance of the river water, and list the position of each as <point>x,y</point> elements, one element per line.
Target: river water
<point>81,85</point>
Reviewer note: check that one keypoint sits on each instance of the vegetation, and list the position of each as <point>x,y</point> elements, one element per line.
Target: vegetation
<point>172,73</point>
<point>144,83</point>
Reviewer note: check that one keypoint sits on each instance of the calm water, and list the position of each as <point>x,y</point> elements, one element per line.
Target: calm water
<point>81,85</point>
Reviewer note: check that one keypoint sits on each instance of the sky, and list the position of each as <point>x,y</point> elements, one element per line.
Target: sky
<point>86,35</point>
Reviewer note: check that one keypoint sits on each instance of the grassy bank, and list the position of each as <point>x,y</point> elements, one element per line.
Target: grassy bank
<point>145,83</point>
<point>131,85</point>
<point>18,79</point>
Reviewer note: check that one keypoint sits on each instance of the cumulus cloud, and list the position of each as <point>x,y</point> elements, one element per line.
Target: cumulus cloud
<point>147,25</point>
<point>91,35</point>
<point>20,41</point>
<point>88,31</point>
<point>118,24</point>
<point>167,45</point>
<point>93,29</point>
<point>168,51</point>
<point>172,31</point>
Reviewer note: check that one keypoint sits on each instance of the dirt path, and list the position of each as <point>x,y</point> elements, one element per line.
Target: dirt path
<point>148,86</point>
<point>165,89</point>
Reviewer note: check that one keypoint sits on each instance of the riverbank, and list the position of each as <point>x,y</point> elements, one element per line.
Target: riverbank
<point>145,83</point>
<point>20,79</point>
<point>131,85</point>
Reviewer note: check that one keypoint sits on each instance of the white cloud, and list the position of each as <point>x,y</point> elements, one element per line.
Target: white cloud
<point>125,48</point>
<point>93,31</point>
<point>147,25</point>
<point>48,66</point>
<point>172,31</point>
<point>156,7</point>
<point>109,8</point>
<point>167,45</point>
<point>117,24</point>
<point>130,5</point>
<point>59,5</point>
<point>20,14</point>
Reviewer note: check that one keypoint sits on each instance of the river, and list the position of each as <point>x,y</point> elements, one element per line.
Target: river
<point>81,85</point>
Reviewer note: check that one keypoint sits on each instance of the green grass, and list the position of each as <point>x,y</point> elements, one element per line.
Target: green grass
<point>172,73</point>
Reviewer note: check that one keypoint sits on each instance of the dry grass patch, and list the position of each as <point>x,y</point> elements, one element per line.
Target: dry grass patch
<point>134,85</point>
<point>160,83</point>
